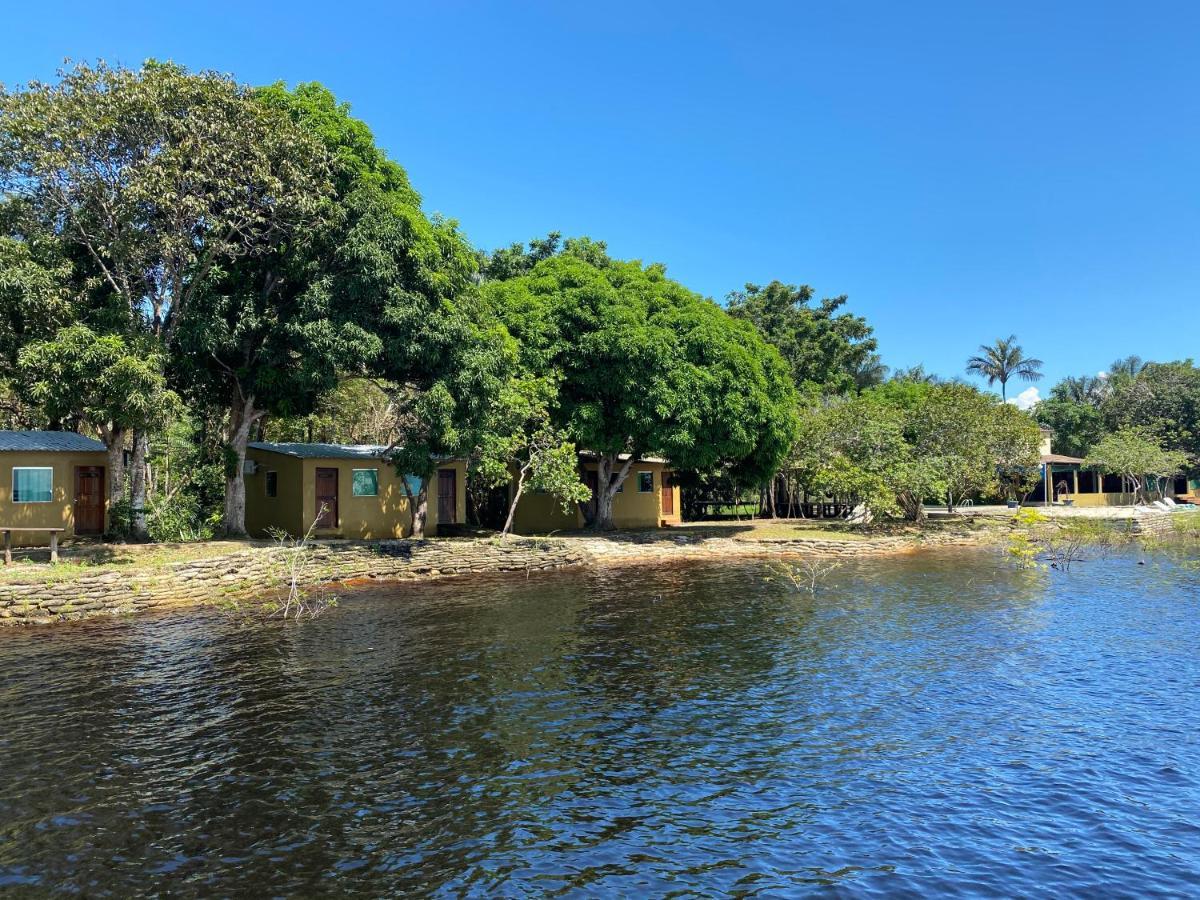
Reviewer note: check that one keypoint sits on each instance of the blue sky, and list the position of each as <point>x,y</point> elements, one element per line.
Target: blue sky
<point>962,170</point>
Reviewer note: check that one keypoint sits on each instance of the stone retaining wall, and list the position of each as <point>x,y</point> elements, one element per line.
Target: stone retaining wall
<point>251,572</point>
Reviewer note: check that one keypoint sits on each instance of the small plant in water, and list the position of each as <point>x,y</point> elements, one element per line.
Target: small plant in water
<point>1039,542</point>
<point>807,574</point>
<point>290,556</point>
<point>287,598</point>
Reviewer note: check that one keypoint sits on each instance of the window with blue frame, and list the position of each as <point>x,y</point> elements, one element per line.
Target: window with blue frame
<point>414,483</point>
<point>365,482</point>
<point>32,485</point>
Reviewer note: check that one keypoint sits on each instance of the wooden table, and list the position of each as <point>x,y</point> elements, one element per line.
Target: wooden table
<point>53,532</point>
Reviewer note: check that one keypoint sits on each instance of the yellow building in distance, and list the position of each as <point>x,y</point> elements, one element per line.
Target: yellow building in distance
<point>52,479</point>
<point>649,498</point>
<point>353,489</point>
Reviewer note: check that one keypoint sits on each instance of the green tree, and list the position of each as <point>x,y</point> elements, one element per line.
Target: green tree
<point>523,446</point>
<point>1003,361</point>
<point>100,380</point>
<point>821,345</point>
<point>646,368</point>
<point>1078,425</point>
<point>160,177</point>
<point>1163,399</point>
<point>279,330</point>
<point>1134,454</point>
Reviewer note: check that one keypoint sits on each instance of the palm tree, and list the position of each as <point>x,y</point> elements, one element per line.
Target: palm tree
<point>870,371</point>
<point>1002,361</point>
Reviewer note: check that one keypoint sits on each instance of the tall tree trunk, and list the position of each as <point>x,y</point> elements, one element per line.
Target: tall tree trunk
<point>114,444</point>
<point>607,485</point>
<point>242,416</point>
<point>512,507</point>
<point>137,484</point>
<point>420,509</point>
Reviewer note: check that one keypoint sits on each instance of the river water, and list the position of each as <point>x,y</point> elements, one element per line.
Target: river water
<point>925,725</point>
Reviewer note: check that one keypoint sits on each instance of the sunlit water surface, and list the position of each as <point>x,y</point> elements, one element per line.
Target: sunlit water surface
<point>933,724</point>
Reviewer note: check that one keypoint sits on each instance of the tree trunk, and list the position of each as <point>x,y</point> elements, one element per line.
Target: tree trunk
<point>512,507</point>
<point>420,509</point>
<point>242,416</point>
<point>137,484</point>
<point>914,507</point>
<point>607,485</point>
<point>114,443</point>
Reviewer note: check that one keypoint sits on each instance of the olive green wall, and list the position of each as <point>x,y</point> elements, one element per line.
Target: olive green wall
<point>365,518</point>
<point>540,513</point>
<point>283,511</point>
<point>59,513</point>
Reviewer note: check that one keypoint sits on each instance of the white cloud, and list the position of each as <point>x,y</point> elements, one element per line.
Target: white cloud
<point>1027,399</point>
<point>1101,374</point>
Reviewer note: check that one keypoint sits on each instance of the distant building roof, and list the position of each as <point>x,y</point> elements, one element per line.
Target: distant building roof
<point>48,442</point>
<point>324,451</point>
<point>1059,458</point>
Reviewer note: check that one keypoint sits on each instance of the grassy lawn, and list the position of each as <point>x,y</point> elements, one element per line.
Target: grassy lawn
<point>79,560</point>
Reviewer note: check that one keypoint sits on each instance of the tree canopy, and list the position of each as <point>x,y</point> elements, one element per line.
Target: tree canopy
<point>821,345</point>
<point>645,367</point>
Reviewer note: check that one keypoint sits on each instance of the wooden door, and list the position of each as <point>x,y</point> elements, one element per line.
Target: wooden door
<point>327,497</point>
<point>447,496</point>
<point>668,494</point>
<point>89,499</point>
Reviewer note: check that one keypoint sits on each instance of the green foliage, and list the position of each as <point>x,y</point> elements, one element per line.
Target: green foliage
<point>645,367</point>
<point>820,345</point>
<point>157,174</point>
<point>178,519</point>
<point>521,438</point>
<point>1135,453</point>
<point>1003,361</point>
<point>1078,424</point>
<point>103,380</point>
<point>904,442</point>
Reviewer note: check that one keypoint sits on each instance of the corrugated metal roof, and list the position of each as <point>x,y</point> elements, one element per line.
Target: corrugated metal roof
<point>324,451</point>
<point>48,442</point>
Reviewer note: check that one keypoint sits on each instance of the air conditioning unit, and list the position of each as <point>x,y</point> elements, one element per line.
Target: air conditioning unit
<point>249,467</point>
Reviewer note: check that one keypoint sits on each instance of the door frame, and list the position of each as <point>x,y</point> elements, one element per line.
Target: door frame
<point>667,483</point>
<point>453,473</point>
<point>78,470</point>
<point>333,512</point>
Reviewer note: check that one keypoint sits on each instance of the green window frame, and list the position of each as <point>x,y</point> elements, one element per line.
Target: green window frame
<point>364,482</point>
<point>32,484</point>
<point>645,482</point>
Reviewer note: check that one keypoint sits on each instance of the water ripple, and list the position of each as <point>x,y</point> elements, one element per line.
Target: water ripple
<point>931,725</point>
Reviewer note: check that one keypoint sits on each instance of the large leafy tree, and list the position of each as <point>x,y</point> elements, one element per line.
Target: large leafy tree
<point>1003,361</point>
<point>102,380</point>
<point>278,330</point>
<point>442,354</point>
<point>646,368</point>
<point>821,345</point>
<point>160,178</point>
<point>1134,454</point>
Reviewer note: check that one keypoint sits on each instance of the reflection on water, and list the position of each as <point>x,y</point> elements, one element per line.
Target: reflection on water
<point>928,724</point>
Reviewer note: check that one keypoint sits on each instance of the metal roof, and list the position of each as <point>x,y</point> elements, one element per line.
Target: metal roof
<point>324,451</point>
<point>48,442</point>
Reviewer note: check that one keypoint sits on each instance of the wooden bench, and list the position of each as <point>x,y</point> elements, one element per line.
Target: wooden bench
<point>53,532</point>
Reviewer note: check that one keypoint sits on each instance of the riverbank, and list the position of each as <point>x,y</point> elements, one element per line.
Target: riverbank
<point>113,580</point>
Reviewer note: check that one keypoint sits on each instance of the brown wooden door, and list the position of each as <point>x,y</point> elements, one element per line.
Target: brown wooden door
<point>327,497</point>
<point>89,499</point>
<point>668,494</point>
<point>447,496</point>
